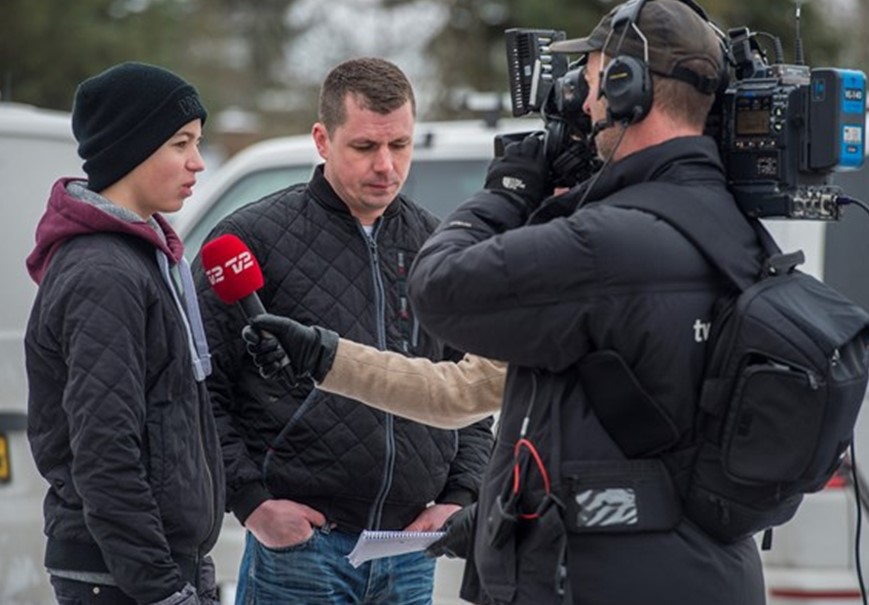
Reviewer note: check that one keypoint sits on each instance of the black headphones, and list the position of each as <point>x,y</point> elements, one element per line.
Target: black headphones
<point>626,81</point>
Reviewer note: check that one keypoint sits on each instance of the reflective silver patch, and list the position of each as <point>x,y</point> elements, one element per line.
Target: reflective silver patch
<point>606,507</point>
<point>513,183</point>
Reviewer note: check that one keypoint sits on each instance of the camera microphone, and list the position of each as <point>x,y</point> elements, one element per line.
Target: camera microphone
<point>235,275</point>
<point>600,126</point>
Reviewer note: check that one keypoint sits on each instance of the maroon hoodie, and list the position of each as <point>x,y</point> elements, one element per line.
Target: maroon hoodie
<point>67,216</point>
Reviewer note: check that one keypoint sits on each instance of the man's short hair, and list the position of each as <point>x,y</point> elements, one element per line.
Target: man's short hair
<point>682,101</point>
<point>376,84</point>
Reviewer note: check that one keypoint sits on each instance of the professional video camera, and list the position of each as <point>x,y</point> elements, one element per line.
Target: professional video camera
<point>782,129</point>
<point>541,81</point>
<point>547,84</point>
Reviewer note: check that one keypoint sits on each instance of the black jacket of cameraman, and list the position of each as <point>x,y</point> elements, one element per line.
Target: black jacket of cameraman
<point>571,301</point>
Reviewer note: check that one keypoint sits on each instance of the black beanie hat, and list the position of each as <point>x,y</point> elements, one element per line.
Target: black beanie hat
<point>123,115</point>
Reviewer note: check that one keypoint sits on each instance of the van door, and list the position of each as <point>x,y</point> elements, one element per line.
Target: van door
<point>36,148</point>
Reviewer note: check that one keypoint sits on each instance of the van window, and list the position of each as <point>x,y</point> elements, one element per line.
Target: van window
<point>441,185</point>
<point>437,185</point>
<point>248,188</point>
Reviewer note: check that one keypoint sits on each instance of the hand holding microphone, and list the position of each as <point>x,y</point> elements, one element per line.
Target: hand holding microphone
<point>235,276</point>
<point>311,349</point>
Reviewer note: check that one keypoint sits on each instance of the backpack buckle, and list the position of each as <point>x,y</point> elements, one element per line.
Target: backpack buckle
<point>782,264</point>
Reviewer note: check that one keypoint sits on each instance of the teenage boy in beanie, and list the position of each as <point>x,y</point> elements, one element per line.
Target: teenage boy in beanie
<point>119,420</point>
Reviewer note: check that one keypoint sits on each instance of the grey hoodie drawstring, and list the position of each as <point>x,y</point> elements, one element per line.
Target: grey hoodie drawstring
<point>189,313</point>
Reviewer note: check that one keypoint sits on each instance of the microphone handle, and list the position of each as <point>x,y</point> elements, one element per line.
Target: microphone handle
<point>251,306</point>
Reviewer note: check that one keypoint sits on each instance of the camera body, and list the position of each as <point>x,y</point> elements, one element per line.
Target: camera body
<point>782,130</point>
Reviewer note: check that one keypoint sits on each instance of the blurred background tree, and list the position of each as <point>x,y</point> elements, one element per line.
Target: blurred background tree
<point>48,46</point>
<point>258,64</point>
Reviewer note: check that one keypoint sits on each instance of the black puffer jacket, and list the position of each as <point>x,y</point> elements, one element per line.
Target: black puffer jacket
<point>358,466</point>
<point>544,297</point>
<point>117,422</point>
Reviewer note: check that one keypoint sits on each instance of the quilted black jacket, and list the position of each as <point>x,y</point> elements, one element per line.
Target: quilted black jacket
<point>117,423</point>
<point>360,467</point>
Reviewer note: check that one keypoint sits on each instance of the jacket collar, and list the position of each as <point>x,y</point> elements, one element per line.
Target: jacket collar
<point>68,215</point>
<point>677,160</point>
<point>322,191</point>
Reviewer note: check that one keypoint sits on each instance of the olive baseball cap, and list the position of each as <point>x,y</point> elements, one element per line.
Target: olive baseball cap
<point>675,33</point>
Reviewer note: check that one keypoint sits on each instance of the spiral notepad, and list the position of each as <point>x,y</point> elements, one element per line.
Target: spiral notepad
<point>377,544</point>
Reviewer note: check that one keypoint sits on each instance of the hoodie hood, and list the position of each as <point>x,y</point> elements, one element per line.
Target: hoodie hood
<point>67,216</point>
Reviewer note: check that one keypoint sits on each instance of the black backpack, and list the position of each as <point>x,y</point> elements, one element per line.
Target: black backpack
<point>785,376</point>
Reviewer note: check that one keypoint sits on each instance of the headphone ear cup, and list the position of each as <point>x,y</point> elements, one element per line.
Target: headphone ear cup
<point>554,141</point>
<point>627,85</point>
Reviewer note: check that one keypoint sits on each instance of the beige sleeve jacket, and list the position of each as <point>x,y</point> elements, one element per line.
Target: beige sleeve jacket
<point>442,394</point>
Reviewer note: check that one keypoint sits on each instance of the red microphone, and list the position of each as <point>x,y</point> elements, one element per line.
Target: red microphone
<point>235,275</point>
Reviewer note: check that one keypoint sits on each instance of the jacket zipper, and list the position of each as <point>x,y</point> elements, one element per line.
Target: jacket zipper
<point>376,515</point>
<point>177,292</point>
<point>210,476</point>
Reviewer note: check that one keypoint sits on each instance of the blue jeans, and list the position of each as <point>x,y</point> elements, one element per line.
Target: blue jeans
<point>318,573</point>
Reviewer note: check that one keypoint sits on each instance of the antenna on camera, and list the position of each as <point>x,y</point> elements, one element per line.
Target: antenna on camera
<point>798,52</point>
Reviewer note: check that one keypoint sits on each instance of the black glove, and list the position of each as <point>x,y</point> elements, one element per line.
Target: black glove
<point>270,338</point>
<point>522,172</point>
<point>459,537</point>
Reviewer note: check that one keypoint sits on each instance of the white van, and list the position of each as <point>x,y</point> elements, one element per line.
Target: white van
<point>449,163</point>
<point>36,147</point>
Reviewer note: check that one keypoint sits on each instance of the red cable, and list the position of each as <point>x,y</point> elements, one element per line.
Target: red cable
<point>516,478</point>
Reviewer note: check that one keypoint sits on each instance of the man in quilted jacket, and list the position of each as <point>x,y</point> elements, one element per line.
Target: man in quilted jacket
<point>307,471</point>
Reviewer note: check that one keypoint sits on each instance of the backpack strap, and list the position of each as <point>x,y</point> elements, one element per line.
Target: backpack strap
<point>697,222</point>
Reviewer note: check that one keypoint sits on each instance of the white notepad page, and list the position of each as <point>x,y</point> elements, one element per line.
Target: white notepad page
<point>377,544</point>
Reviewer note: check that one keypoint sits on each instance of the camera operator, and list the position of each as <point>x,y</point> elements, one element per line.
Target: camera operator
<point>602,313</point>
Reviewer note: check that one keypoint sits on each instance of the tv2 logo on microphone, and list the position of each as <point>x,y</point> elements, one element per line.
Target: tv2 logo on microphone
<point>238,264</point>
